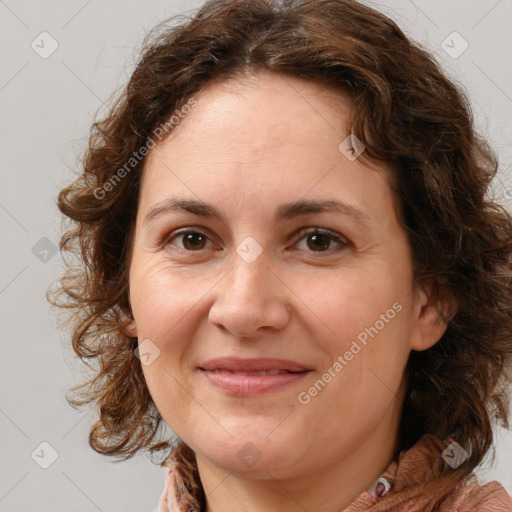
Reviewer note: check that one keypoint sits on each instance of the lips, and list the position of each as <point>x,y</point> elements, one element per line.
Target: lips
<point>261,372</point>
<point>253,366</point>
<point>246,377</point>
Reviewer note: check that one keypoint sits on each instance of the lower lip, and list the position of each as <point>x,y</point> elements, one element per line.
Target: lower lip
<point>247,385</point>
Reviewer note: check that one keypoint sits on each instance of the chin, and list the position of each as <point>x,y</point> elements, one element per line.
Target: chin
<point>254,456</point>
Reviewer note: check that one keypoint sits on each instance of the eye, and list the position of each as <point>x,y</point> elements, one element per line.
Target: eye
<point>320,239</point>
<point>317,240</point>
<point>191,240</point>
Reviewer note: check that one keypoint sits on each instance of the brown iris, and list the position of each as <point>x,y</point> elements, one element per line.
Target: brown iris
<point>317,241</point>
<point>193,239</point>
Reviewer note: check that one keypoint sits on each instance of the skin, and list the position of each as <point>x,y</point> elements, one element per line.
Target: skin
<point>250,145</point>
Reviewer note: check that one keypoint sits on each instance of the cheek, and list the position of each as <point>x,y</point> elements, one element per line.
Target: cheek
<point>362,383</point>
<point>162,297</point>
<point>166,314</point>
<point>367,342</point>
<point>168,320</point>
<point>354,304</point>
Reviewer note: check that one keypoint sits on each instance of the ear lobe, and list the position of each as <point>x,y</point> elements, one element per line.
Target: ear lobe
<point>433,312</point>
<point>130,328</point>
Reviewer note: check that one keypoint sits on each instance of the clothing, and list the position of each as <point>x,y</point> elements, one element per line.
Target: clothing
<point>412,483</point>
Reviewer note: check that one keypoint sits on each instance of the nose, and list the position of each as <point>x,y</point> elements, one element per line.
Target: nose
<point>250,299</point>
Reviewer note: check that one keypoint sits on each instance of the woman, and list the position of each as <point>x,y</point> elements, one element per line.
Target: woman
<point>290,258</point>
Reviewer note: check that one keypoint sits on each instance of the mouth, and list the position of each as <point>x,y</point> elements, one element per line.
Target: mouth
<point>260,372</point>
<point>260,364</point>
<point>246,377</point>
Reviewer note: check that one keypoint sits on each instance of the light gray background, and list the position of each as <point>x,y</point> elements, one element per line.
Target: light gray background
<point>47,107</point>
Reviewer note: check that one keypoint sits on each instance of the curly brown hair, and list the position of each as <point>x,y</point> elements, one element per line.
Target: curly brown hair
<point>407,113</point>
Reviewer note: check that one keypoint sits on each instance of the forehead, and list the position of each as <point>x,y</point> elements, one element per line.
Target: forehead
<point>267,109</point>
<point>265,135</point>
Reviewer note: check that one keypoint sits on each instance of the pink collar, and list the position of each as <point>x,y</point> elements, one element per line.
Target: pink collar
<point>416,482</point>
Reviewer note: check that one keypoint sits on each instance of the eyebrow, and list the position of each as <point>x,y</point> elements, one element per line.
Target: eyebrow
<point>284,211</point>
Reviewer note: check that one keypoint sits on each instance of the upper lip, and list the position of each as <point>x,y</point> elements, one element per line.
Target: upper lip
<point>235,364</point>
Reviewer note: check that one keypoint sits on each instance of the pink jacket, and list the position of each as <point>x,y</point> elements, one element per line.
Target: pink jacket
<point>410,484</point>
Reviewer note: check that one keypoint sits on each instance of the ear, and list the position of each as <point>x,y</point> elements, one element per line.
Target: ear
<point>433,310</point>
<point>130,327</point>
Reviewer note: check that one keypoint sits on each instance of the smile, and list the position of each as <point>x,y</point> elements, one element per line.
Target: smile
<point>246,377</point>
<point>252,383</point>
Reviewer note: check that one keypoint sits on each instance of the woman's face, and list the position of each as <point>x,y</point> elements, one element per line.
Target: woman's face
<point>258,236</point>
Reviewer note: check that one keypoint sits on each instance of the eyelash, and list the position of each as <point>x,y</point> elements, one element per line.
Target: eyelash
<point>297,237</point>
